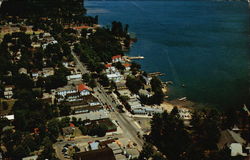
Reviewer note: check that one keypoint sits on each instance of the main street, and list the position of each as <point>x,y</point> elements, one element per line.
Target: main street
<point>130,130</point>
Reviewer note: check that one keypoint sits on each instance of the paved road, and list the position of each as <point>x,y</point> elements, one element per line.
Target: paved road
<point>80,66</point>
<point>126,123</point>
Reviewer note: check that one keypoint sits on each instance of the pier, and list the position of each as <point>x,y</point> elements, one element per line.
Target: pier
<point>156,74</point>
<point>138,57</point>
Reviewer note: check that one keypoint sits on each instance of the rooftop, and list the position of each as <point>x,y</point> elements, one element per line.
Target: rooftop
<point>100,154</point>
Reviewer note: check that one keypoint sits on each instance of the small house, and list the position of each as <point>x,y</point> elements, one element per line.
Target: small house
<point>117,58</point>
<point>83,89</point>
<point>8,91</point>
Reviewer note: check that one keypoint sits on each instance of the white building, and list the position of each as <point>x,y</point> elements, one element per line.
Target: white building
<point>8,91</point>
<point>74,77</point>
<point>83,90</point>
<point>63,91</point>
<point>117,58</point>
<point>116,77</point>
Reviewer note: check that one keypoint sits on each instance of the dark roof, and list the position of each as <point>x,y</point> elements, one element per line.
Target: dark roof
<point>100,154</point>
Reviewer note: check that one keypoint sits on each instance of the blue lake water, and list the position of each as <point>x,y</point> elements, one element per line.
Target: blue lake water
<point>202,44</point>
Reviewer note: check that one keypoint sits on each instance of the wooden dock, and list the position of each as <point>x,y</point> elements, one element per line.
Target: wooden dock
<point>137,57</point>
<point>156,74</point>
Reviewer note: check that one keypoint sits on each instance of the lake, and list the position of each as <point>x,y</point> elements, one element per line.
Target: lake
<point>203,45</point>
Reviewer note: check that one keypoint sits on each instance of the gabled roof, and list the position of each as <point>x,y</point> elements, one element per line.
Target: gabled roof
<point>108,65</point>
<point>126,64</point>
<point>82,87</point>
<point>117,56</point>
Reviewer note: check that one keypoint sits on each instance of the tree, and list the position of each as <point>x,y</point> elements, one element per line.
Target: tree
<point>169,135</point>
<point>119,66</point>
<point>53,128</point>
<point>92,83</point>
<point>22,81</point>
<point>133,84</point>
<point>20,152</point>
<point>147,152</point>
<point>104,80</point>
<point>65,110</point>
<point>5,105</point>
<point>86,77</point>
<point>48,152</point>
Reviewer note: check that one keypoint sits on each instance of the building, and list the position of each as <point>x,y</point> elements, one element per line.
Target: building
<point>134,104</point>
<point>63,91</point>
<point>68,131</point>
<point>117,58</point>
<point>127,66</point>
<point>8,91</point>
<point>237,150</point>
<point>110,69</point>
<point>30,158</point>
<point>34,73</point>
<point>74,77</point>
<point>121,85</point>
<point>22,71</point>
<point>94,146</point>
<point>233,141</point>
<point>9,117</point>
<point>185,113</point>
<point>101,114</point>
<point>116,77</point>
<point>48,72</point>
<point>83,90</point>
<point>99,154</point>
<point>144,92</point>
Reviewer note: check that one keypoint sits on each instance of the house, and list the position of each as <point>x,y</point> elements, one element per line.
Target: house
<point>50,41</point>
<point>236,150</point>
<point>30,158</point>
<point>48,72</point>
<point>127,66</point>
<point>34,73</point>
<point>73,97</point>
<point>110,69</point>
<point>117,58</point>
<point>94,145</point>
<point>147,79</point>
<point>134,104</point>
<point>63,91</point>
<point>9,117</point>
<point>116,77</point>
<point>83,89</point>
<point>67,131</point>
<point>22,71</point>
<point>65,64</point>
<point>74,77</point>
<point>99,154</point>
<point>185,113</point>
<point>35,45</point>
<point>233,141</point>
<point>8,91</point>
<point>125,92</point>
<point>121,85</point>
<point>144,92</point>
<point>146,110</point>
